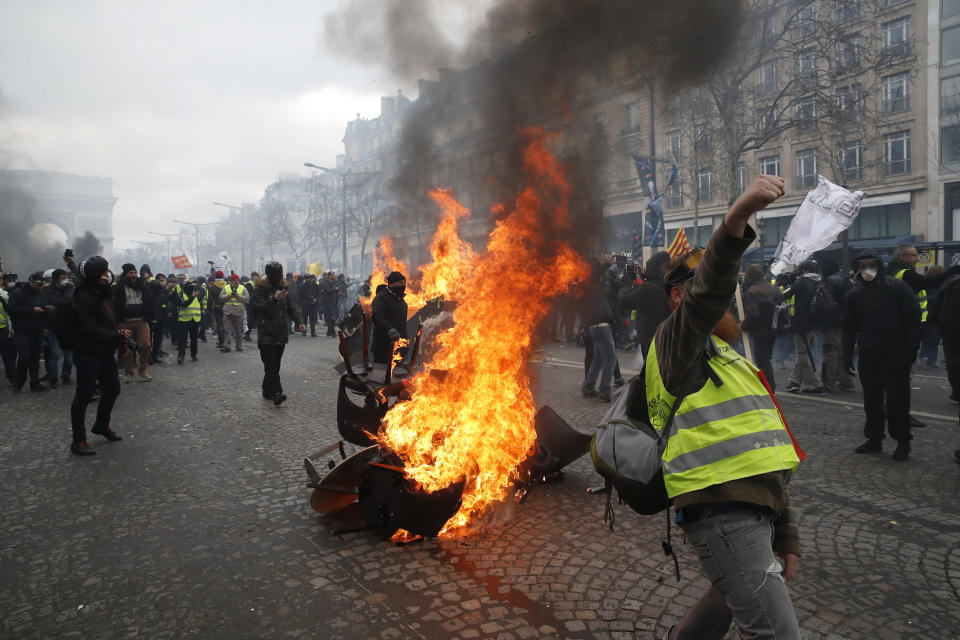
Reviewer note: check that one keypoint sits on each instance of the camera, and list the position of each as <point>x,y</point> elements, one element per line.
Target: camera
<point>131,343</point>
<point>68,253</point>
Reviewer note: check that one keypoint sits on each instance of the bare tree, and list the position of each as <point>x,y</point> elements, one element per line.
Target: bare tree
<point>326,201</point>
<point>290,211</point>
<point>366,204</point>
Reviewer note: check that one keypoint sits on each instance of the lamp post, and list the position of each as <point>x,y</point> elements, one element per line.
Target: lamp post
<point>343,205</point>
<point>196,228</point>
<point>243,235</point>
<point>167,236</point>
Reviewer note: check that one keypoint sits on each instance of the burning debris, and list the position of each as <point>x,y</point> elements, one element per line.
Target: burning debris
<point>463,434</point>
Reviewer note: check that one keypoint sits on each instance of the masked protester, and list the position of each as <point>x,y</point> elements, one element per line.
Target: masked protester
<point>881,316</point>
<point>274,308</point>
<point>59,295</point>
<point>389,312</point>
<point>728,455</point>
<point>97,340</point>
<point>30,314</point>
<point>131,304</point>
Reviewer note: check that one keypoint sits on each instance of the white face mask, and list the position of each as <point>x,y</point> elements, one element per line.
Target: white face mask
<point>868,274</point>
<point>11,285</point>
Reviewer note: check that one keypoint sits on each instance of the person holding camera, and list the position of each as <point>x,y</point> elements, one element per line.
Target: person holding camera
<point>131,304</point>
<point>274,308</point>
<point>190,310</point>
<point>97,340</point>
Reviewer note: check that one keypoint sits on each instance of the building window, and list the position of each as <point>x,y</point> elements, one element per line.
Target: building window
<point>675,196</point>
<point>848,52</point>
<point>884,221</point>
<point>767,81</point>
<point>805,22</point>
<point>766,122</point>
<point>741,178</point>
<point>950,145</point>
<point>950,8</point>
<point>850,161</point>
<point>950,97</point>
<point>701,136</point>
<point>807,65</point>
<point>895,37</point>
<point>950,46</point>
<point>896,153</point>
<point>849,103</point>
<point>848,10</point>
<point>704,185</point>
<point>807,113</point>
<point>673,142</point>
<point>768,28</point>
<point>770,165</point>
<point>890,3</point>
<point>806,168</point>
<point>896,93</point>
<point>633,116</point>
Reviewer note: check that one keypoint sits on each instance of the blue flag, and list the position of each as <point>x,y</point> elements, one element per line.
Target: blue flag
<point>648,177</point>
<point>654,234</point>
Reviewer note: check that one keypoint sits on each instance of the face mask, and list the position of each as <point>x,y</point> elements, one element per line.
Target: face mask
<point>868,274</point>
<point>11,285</point>
<point>399,291</point>
<point>106,277</point>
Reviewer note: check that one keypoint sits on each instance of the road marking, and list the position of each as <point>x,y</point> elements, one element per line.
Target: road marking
<point>858,405</point>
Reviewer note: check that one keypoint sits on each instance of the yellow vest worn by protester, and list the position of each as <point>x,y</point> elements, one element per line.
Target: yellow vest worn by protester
<point>720,433</point>
<point>921,296</point>
<point>191,312</point>
<point>4,320</point>
<point>229,290</point>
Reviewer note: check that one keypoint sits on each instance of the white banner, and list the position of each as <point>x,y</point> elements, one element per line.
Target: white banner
<point>822,216</point>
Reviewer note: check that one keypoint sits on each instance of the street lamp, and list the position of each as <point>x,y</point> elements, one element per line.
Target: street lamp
<point>243,235</point>
<point>343,204</point>
<point>167,236</point>
<point>196,227</point>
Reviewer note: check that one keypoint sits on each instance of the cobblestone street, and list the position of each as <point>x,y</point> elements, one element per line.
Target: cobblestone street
<point>198,524</point>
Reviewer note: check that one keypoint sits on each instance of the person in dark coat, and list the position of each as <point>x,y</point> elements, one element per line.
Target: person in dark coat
<point>275,309</point>
<point>389,312</point>
<point>760,300</point>
<point>96,344</point>
<point>945,313</point>
<point>131,305</point>
<point>157,295</point>
<point>807,331</point>
<point>834,374</point>
<point>598,320</point>
<point>59,342</point>
<point>329,295</point>
<point>308,296</point>
<point>881,315</point>
<point>29,313</point>
<point>649,300</point>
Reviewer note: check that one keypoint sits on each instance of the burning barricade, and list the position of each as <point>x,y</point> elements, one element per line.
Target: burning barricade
<point>446,439</point>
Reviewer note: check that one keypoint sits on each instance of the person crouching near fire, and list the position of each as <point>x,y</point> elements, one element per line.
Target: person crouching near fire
<point>729,455</point>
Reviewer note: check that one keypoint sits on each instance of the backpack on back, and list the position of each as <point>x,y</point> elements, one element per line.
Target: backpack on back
<point>824,308</point>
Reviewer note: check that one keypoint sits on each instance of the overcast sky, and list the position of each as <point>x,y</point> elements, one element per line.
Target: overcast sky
<point>180,103</point>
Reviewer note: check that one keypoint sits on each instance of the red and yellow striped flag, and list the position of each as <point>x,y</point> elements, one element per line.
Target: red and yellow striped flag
<point>680,245</point>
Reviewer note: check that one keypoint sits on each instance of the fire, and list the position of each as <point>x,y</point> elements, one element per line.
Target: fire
<point>477,421</point>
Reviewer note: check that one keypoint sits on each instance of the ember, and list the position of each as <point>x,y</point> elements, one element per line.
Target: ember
<point>476,424</point>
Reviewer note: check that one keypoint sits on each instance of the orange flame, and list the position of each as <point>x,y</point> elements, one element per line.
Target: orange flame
<point>477,421</point>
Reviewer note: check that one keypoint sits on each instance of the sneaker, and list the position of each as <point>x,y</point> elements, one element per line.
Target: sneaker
<point>180,359</point>
<point>39,387</point>
<point>239,348</point>
<point>146,377</point>
<point>954,397</point>
<point>128,378</point>
<point>793,388</point>
<point>163,353</point>
<point>870,446</point>
<point>619,382</point>
<point>66,382</point>
<point>82,449</point>
<point>603,397</point>
<point>588,393</point>
<point>107,433</point>
<point>193,358</point>
<point>278,398</point>
<point>225,349</point>
<point>902,452</point>
<point>916,424</point>
<point>52,385</point>
<point>819,391</point>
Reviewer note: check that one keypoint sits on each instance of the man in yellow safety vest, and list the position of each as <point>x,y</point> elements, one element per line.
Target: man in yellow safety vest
<point>729,455</point>
<point>188,319</point>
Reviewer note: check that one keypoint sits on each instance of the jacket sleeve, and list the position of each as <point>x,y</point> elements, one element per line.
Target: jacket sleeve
<point>919,282</point>
<point>910,308</point>
<point>87,326</point>
<point>118,299</point>
<point>19,303</point>
<point>848,315</point>
<point>683,335</point>
<point>292,311</point>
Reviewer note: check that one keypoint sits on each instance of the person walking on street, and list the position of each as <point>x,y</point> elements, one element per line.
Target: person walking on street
<point>189,312</point>
<point>59,295</point>
<point>881,316</point>
<point>216,290</point>
<point>251,315</point>
<point>760,301</point>
<point>598,320</point>
<point>389,314</point>
<point>728,455</point>
<point>157,295</point>
<point>131,307</point>
<point>309,295</point>
<point>329,294</point>
<point>97,341</point>
<point>235,299</point>
<point>274,309</point>
<point>29,313</point>
<point>806,331</point>
<point>834,375</point>
<point>945,313</point>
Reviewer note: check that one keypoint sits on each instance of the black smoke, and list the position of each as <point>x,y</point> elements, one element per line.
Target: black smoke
<point>526,64</point>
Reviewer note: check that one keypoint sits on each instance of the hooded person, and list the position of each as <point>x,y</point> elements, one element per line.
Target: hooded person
<point>146,272</point>
<point>389,314</point>
<point>881,317</point>
<point>97,339</point>
<point>59,341</point>
<point>275,309</point>
<point>648,300</point>
<point>760,301</point>
<point>158,294</point>
<point>30,315</point>
<point>807,330</point>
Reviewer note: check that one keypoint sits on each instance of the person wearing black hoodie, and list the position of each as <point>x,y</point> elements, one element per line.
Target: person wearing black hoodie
<point>156,290</point>
<point>389,314</point>
<point>30,314</point>
<point>274,307</point>
<point>881,315</point>
<point>97,342</point>
<point>59,295</point>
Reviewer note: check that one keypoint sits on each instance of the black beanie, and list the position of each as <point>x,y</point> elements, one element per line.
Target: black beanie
<point>395,276</point>
<point>128,267</point>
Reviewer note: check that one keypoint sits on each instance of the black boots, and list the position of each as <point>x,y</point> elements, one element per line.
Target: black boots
<point>902,452</point>
<point>107,433</point>
<point>870,446</point>
<point>82,449</point>
<point>278,398</point>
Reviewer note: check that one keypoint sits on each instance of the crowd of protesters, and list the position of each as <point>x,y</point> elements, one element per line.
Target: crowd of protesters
<point>827,323</point>
<point>82,323</point>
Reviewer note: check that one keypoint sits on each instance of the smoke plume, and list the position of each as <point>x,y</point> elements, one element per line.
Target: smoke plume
<point>527,64</point>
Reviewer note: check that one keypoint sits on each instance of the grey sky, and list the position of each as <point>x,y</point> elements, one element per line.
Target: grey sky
<point>181,103</point>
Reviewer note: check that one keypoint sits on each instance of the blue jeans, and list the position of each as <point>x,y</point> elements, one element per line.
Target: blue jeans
<point>736,552</point>
<point>52,354</point>
<point>604,358</point>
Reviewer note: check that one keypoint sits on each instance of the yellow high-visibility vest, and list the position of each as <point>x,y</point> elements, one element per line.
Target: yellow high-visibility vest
<point>234,302</point>
<point>921,296</point>
<point>192,311</point>
<point>720,433</point>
